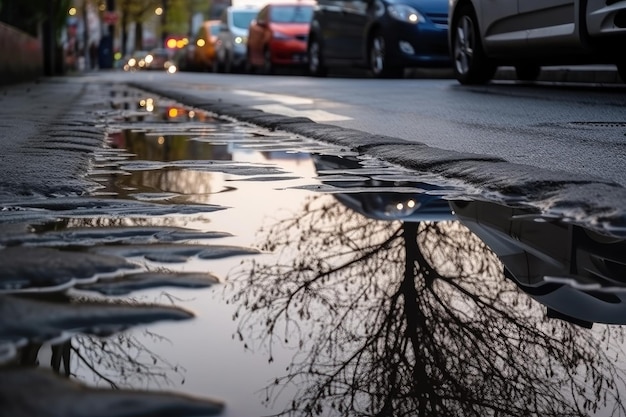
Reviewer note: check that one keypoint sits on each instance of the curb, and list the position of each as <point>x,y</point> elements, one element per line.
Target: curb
<point>583,74</point>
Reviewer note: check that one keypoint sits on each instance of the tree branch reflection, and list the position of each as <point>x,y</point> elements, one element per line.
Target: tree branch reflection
<point>414,319</point>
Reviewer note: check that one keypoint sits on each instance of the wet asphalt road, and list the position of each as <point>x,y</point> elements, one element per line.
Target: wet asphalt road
<point>53,128</point>
<point>39,159</point>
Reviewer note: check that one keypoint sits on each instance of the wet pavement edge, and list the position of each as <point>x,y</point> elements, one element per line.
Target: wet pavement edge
<point>497,180</point>
<point>49,143</point>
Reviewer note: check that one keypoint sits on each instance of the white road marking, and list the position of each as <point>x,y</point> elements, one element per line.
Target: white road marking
<point>291,100</point>
<point>313,114</point>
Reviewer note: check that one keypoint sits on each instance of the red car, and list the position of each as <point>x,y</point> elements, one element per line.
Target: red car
<point>278,36</point>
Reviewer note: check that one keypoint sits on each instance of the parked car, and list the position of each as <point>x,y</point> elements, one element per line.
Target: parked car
<point>159,59</point>
<point>278,36</point>
<point>528,34</point>
<point>136,61</point>
<point>205,46</point>
<point>183,58</point>
<point>233,38</point>
<point>385,36</point>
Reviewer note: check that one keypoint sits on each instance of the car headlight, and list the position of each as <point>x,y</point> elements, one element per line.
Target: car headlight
<point>405,13</point>
<point>280,36</point>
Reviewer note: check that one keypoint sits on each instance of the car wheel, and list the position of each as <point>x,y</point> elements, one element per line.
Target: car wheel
<point>316,62</point>
<point>228,64</point>
<point>527,72</point>
<point>471,65</point>
<point>378,63</point>
<point>268,68</point>
<point>249,68</point>
<point>621,70</point>
<point>218,64</point>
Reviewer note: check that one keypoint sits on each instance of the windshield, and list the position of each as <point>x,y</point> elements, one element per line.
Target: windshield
<point>242,19</point>
<point>291,14</point>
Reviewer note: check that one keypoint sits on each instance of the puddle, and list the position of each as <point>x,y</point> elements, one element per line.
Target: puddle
<point>276,274</point>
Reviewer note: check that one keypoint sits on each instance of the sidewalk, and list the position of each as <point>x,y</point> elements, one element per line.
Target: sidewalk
<point>584,74</point>
<point>592,74</point>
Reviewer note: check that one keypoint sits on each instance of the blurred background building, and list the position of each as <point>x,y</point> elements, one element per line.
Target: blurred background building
<point>53,37</point>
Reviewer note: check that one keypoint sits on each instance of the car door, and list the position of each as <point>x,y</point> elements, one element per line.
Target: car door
<point>354,17</point>
<point>339,22</point>
<point>496,26</point>
<point>550,23</point>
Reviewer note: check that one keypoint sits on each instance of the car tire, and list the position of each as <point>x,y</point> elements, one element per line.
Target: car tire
<point>228,64</point>
<point>527,72</point>
<point>218,65</point>
<point>268,68</point>
<point>249,68</point>
<point>621,70</point>
<point>470,64</point>
<point>378,63</point>
<point>316,60</point>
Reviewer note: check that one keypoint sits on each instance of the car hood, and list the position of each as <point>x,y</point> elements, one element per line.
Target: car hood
<point>426,6</point>
<point>238,31</point>
<point>290,28</point>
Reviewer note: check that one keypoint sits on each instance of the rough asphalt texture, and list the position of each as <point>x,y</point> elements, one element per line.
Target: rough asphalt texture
<point>47,140</point>
<point>50,128</point>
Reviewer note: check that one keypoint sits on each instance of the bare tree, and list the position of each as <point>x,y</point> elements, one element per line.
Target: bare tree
<point>413,319</point>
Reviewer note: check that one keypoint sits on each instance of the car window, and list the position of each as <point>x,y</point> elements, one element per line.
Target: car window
<point>291,14</point>
<point>215,29</point>
<point>242,19</point>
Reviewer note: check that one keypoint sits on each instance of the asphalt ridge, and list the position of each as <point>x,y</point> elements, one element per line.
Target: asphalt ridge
<point>50,130</point>
<point>588,201</point>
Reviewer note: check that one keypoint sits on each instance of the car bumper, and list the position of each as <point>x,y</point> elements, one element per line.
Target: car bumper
<point>288,52</point>
<point>422,45</point>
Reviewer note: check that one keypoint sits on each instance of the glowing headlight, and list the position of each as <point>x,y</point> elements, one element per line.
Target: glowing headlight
<point>149,59</point>
<point>238,39</point>
<point>405,13</point>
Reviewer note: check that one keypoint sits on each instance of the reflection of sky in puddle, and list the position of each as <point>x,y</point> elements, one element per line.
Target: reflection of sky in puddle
<point>256,186</point>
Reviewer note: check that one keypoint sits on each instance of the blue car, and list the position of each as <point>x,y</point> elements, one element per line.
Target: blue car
<point>385,36</point>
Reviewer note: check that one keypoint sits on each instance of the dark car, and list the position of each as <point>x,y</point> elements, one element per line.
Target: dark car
<point>385,36</point>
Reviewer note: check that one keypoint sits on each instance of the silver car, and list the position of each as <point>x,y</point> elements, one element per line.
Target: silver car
<point>530,33</point>
<point>232,39</point>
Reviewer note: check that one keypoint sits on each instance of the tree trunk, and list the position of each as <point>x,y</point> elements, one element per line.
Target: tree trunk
<point>138,36</point>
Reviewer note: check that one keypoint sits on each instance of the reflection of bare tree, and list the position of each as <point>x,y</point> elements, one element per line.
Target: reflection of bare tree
<point>411,319</point>
<point>115,358</point>
<point>123,360</point>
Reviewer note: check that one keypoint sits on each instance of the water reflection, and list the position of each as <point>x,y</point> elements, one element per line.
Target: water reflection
<point>417,317</point>
<point>578,274</point>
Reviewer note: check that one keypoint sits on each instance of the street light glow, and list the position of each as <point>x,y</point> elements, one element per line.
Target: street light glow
<point>158,11</point>
<point>72,11</point>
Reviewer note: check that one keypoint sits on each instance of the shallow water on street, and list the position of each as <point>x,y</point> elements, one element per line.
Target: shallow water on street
<point>320,281</point>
